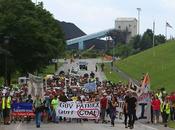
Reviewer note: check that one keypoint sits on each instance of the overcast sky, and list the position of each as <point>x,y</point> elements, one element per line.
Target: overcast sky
<point>97,15</point>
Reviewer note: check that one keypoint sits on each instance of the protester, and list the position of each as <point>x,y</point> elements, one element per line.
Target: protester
<point>96,67</point>
<point>6,108</point>
<point>156,109</point>
<point>125,111</point>
<point>47,109</point>
<point>38,109</point>
<point>102,67</point>
<point>131,108</point>
<point>64,88</point>
<point>104,106</point>
<point>54,105</point>
<point>165,110</point>
<point>112,110</point>
<point>172,102</point>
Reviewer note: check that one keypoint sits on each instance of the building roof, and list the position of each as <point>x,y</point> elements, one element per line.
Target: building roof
<point>126,19</point>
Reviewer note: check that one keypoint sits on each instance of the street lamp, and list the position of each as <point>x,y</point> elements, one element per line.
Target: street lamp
<point>138,25</point>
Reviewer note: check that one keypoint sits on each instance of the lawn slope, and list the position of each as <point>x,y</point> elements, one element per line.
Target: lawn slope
<point>159,62</point>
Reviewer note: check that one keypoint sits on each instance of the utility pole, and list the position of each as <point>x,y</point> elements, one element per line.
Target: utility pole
<point>138,24</point>
<point>153,38</point>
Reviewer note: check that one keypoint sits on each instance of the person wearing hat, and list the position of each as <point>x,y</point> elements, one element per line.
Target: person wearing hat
<point>104,106</point>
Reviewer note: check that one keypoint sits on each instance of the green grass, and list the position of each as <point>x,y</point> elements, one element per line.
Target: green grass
<point>171,124</point>
<point>159,62</point>
<point>112,75</point>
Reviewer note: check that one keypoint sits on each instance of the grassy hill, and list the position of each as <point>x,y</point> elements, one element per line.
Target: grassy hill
<point>159,62</point>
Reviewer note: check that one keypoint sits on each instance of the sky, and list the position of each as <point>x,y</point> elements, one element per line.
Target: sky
<point>96,15</point>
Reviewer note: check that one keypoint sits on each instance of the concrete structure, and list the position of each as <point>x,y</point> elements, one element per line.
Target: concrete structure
<point>129,24</point>
<point>80,40</point>
<point>122,24</point>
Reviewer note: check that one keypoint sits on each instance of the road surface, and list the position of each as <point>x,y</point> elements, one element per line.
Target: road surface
<point>77,126</point>
<point>91,67</point>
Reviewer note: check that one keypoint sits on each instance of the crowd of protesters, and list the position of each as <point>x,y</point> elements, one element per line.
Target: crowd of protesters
<point>162,105</point>
<point>107,93</point>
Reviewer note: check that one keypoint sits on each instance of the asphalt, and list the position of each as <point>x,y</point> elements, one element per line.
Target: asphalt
<point>91,67</point>
<point>80,126</point>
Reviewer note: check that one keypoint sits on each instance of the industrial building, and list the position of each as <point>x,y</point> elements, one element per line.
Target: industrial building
<point>127,24</point>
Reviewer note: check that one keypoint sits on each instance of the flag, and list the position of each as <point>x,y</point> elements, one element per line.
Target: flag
<point>168,25</point>
<point>146,83</point>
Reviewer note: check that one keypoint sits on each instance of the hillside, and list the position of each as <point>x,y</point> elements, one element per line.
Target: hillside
<point>70,30</point>
<point>159,62</point>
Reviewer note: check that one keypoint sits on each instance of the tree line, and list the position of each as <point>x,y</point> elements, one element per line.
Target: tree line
<point>30,37</point>
<point>136,44</point>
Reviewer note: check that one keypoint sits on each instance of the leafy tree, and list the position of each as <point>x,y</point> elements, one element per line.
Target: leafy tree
<point>160,39</point>
<point>119,36</point>
<point>147,40</point>
<point>34,35</point>
<point>121,50</point>
<point>135,41</point>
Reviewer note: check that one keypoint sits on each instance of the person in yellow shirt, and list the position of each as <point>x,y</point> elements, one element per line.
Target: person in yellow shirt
<point>165,110</point>
<point>54,104</point>
<point>6,106</point>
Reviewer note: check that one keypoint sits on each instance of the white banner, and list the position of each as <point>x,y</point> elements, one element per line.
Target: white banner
<point>79,110</point>
<point>35,85</point>
<point>142,110</point>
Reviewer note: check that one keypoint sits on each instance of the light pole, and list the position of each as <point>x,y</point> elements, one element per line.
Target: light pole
<point>153,38</point>
<point>138,24</point>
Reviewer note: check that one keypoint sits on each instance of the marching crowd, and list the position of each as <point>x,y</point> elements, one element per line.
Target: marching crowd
<point>107,93</point>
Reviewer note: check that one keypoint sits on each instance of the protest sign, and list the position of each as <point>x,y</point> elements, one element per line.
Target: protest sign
<point>79,110</point>
<point>142,109</point>
<point>90,87</point>
<point>36,85</point>
<point>22,109</point>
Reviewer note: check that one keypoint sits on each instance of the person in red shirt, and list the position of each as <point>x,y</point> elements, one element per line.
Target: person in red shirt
<point>104,106</point>
<point>155,103</point>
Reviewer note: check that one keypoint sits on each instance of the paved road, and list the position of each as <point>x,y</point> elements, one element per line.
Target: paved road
<point>91,67</point>
<point>75,126</point>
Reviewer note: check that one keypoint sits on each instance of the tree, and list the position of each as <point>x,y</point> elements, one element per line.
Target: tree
<point>147,40</point>
<point>135,41</point>
<point>119,36</point>
<point>160,39</point>
<point>34,35</point>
